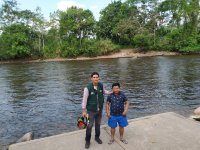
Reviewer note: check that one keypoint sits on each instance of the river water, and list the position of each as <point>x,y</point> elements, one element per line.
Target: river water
<point>45,98</point>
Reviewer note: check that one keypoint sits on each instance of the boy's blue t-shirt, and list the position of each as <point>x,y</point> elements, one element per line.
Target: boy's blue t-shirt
<point>117,103</point>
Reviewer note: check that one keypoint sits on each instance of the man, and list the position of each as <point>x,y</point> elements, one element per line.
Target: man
<point>92,105</point>
<point>117,109</point>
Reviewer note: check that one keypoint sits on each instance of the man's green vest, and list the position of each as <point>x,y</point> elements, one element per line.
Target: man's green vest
<point>95,99</point>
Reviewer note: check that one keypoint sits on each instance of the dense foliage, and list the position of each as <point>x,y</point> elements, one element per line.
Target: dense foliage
<point>171,25</point>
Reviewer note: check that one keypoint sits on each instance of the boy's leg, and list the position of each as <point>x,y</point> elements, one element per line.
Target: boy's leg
<point>112,133</point>
<point>112,123</point>
<point>112,130</point>
<point>121,132</point>
<point>122,121</point>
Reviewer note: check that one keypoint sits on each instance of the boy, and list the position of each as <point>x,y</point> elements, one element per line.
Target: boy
<point>117,109</point>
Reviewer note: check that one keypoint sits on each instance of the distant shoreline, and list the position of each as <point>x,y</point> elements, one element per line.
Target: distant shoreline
<point>123,53</point>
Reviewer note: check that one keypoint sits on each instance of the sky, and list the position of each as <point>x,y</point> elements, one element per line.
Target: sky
<point>49,6</point>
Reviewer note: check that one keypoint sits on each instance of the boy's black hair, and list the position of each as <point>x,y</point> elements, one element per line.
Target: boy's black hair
<point>94,73</point>
<point>116,84</point>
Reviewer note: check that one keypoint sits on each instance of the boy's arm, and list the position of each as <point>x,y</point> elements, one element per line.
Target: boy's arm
<point>108,109</point>
<point>126,104</point>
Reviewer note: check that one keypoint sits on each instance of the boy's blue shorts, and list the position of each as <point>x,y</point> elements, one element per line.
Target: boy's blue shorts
<point>120,120</point>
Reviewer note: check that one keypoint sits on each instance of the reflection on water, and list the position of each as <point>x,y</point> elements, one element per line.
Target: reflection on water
<point>45,98</point>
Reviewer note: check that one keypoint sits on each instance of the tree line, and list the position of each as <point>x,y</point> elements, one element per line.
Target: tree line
<point>170,25</point>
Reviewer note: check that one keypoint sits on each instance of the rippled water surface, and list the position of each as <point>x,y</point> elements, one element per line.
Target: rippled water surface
<point>45,98</point>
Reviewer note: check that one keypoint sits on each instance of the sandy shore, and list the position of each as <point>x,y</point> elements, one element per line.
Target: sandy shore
<point>124,53</point>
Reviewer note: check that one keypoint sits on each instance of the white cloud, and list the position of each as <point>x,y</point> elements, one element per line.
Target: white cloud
<point>65,4</point>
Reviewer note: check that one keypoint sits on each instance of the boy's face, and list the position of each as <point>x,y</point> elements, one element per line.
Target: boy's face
<point>116,89</point>
<point>95,79</point>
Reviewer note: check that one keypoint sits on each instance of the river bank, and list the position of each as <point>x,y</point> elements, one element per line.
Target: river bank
<point>123,53</point>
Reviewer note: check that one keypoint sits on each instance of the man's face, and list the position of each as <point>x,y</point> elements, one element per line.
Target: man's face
<point>116,89</point>
<point>95,79</point>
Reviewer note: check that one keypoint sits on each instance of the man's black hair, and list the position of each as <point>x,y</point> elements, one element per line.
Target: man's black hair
<point>94,73</point>
<point>115,84</point>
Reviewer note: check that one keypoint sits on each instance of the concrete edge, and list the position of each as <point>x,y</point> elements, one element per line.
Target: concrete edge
<point>104,127</point>
<point>49,137</point>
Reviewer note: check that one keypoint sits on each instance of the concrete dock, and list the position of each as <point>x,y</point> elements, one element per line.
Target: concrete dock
<point>167,131</point>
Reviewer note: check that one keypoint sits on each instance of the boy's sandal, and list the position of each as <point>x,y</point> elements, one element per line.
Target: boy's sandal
<point>110,142</point>
<point>124,141</point>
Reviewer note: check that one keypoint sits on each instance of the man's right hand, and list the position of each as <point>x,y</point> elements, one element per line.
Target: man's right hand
<point>84,114</point>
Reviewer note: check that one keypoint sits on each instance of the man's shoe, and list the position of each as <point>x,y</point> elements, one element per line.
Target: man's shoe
<point>98,140</point>
<point>87,145</point>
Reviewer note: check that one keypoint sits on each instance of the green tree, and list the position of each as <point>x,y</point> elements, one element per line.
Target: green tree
<point>76,25</point>
<point>8,12</point>
<point>52,37</point>
<point>184,22</point>
<point>12,17</point>
<point>39,27</point>
<point>109,24</point>
<point>16,41</point>
<point>126,29</point>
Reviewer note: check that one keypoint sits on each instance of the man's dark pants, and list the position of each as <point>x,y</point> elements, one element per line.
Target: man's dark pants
<point>94,117</point>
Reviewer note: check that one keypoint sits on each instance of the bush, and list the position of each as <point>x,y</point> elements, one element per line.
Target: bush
<point>69,52</point>
<point>143,41</point>
<point>92,48</point>
<point>50,52</point>
<point>191,49</point>
<point>172,41</point>
<point>107,47</point>
<point>99,47</point>
<point>70,48</point>
<point>52,44</point>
